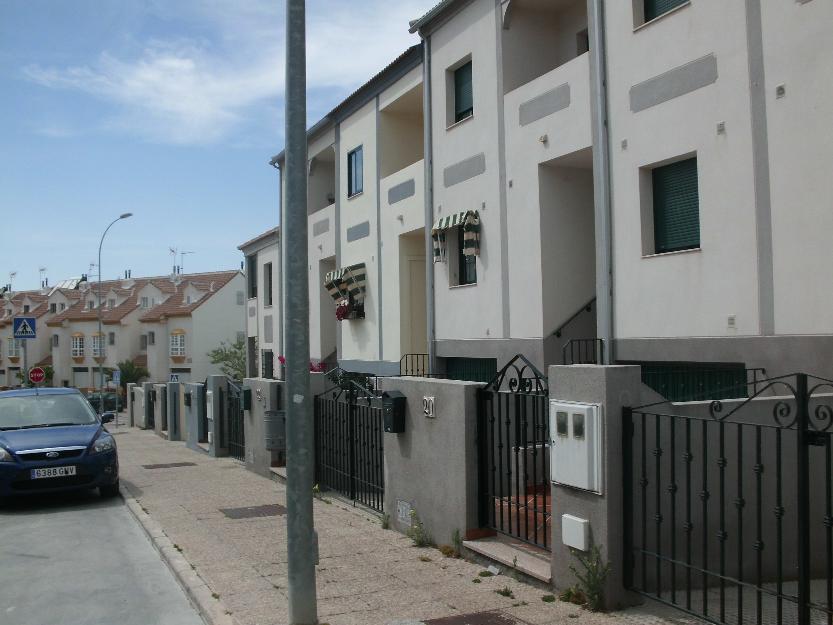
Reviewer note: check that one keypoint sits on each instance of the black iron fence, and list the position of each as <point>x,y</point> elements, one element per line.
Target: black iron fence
<point>349,446</point>
<point>583,352</point>
<point>513,438</point>
<point>728,512</point>
<point>235,438</point>
<point>414,365</point>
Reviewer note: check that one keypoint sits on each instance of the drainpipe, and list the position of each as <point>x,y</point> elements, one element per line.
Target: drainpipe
<point>429,200</point>
<point>601,178</point>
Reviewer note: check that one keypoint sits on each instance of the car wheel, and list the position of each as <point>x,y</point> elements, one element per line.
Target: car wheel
<point>111,490</point>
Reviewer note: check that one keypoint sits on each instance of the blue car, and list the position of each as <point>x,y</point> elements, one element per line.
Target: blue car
<point>52,440</point>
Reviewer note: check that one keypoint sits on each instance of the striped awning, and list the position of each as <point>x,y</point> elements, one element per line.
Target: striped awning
<point>469,221</point>
<point>347,282</point>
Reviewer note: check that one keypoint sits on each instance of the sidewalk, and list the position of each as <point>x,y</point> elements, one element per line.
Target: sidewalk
<point>367,575</point>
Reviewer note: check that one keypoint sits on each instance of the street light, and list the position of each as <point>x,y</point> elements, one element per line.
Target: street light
<point>100,335</point>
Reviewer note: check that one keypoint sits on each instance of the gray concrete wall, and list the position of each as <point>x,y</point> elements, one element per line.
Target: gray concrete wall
<point>174,423</point>
<point>613,387</point>
<point>266,395</point>
<point>192,414</point>
<point>432,466</point>
<point>217,385</point>
<point>160,410</point>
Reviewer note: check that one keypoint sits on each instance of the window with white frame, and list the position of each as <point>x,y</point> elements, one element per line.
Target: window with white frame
<point>53,308</point>
<point>111,338</point>
<point>98,345</point>
<point>55,340</point>
<point>77,346</point>
<point>15,346</point>
<point>144,302</point>
<point>178,344</point>
<point>151,338</point>
<point>111,303</point>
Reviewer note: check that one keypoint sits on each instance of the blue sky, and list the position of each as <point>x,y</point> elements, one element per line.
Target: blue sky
<point>169,109</point>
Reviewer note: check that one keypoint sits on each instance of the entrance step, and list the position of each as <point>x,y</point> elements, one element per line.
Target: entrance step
<point>526,558</point>
<point>278,473</point>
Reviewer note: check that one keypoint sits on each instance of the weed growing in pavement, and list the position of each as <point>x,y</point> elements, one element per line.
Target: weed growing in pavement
<point>486,574</point>
<point>457,542</point>
<point>215,595</point>
<point>178,548</point>
<point>519,603</point>
<point>506,592</point>
<point>316,492</point>
<point>476,580</point>
<point>573,595</point>
<point>418,533</point>
<point>548,598</point>
<point>424,559</point>
<point>385,521</point>
<point>593,577</point>
<point>448,551</point>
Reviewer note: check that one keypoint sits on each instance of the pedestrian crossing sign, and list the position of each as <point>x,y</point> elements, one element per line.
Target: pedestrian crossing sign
<point>24,328</point>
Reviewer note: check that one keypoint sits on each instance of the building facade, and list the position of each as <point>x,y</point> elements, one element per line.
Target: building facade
<point>535,177</point>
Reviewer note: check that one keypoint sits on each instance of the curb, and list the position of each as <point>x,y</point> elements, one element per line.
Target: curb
<point>212,610</point>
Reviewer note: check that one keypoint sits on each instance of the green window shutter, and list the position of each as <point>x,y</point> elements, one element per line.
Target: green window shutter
<point>463,96</point>
<point>655,8</point>
<point>676,206</point>
<point>696,382</point>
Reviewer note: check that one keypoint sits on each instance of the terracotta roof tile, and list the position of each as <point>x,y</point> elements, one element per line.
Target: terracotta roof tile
<point>175,305</point>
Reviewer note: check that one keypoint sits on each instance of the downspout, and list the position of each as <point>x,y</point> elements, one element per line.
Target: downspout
<point>429,200</point>
<point>601,178</point>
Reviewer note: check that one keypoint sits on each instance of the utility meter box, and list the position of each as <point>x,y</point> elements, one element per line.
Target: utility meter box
<point>274,422</point>
<point>393,411</point>
<point>209,405</point>
<point>576,444</point>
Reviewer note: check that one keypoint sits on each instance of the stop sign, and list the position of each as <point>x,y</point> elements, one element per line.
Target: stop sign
<point>36,375</point>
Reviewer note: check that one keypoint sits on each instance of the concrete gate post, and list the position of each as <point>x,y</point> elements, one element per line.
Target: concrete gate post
<point>160,416</point>
<point>129,400</point>
<point>217,386</point>
<point>174,429</point>
<point>266,395</point>
<point>193,415</point>
<point>613,387</point>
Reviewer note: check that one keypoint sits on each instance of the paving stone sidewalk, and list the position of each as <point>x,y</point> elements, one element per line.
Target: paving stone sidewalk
<point>366,576</point>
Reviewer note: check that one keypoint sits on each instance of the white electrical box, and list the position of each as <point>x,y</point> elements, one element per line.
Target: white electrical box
<point>575,532</point>
<point>576,444</point>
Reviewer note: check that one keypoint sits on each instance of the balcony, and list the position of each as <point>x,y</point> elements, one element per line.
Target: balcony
<point>551,112</point>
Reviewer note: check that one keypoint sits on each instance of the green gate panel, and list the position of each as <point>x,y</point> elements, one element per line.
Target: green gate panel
<point>471,369</point>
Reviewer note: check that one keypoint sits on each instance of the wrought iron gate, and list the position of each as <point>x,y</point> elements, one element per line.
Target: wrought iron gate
<point>728,512</point>
<point>235,438</point>
<point>349,445</point>
<point>513,439</point>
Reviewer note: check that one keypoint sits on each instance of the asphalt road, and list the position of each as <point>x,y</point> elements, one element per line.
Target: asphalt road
<point>77,559</point>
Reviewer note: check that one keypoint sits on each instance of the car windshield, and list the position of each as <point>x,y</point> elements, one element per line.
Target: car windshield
<point>33,411</point>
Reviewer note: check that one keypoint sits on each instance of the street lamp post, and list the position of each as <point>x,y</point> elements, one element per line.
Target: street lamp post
<point>100,335</point>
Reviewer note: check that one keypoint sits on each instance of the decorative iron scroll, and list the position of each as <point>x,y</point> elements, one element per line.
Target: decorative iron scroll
<point>821,418</point>
<point>520,376</point>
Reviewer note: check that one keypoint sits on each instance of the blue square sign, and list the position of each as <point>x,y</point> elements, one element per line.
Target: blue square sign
<point>24,328</point>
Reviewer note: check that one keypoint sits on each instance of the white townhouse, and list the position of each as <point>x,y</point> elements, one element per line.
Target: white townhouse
<point>167,324</point>
<point>264,331</point>
<point>581,181</point>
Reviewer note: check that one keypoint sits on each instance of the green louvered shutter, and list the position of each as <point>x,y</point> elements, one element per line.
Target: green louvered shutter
<point>676,206</point>
<point>471,369</point>
<point>463,97</point>
<point>655,8</point>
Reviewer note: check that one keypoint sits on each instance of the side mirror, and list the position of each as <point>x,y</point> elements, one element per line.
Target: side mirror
<point>108,417</point>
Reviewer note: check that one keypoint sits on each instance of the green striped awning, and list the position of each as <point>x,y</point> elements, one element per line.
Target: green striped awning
<point>469,221</point>
<point>347,282</point>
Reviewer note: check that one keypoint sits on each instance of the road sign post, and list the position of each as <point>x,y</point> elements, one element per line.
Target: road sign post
<point>24,328</point>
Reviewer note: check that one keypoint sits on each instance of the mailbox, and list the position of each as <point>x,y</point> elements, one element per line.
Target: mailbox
<point>392,404</point>
<point>247,398</point>
<point>188,398</point>
<point>576,444</point>
<point>274,422</point>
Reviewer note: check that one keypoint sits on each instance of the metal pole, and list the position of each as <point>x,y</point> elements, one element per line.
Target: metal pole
<point>98,308</point>
<point>301,541</point>
<point>803,514</point>
<point>25,379</point>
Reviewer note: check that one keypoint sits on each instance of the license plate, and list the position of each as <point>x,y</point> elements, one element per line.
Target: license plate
<point>52,472</point>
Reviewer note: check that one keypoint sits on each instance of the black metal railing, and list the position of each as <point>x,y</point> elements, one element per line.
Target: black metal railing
<point>583,352</point>
<point>414,365</point>
<point>728,507</point>
<point>588,307</point>
<point>513,441</point>
<point>349,446</point>
<point>235,433</point>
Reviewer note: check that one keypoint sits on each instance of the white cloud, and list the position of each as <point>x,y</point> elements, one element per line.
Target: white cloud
<point>202,89</point>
